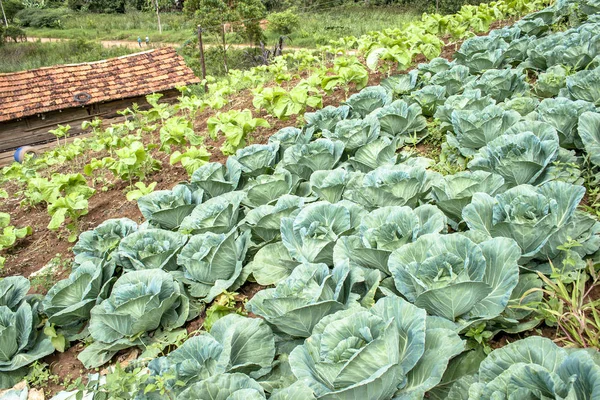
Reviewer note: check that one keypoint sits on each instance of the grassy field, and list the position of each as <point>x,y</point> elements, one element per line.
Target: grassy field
<point>22,56</point>
<point>316,28</point>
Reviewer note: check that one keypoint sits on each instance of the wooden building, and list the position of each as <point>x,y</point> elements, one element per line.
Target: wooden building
<point>35,101</point>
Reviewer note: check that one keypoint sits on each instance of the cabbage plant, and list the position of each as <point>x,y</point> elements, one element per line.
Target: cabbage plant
<point>481,53</point>
<point>473,129</point>
<point>435,66</point>
<point>563,114</point>
<point>69,302</point>
<point>326,118</point>
<point>536,368</point>
<point>453,277</point>
<point>384,230</point>
<point>215,179</point>
<point>100,243</point>
<point>453,79</point>
<point>468,100</point>
<point>311,234</point>
<point>524,105</point>
<point>354,133</point>
<point>265,189</point>
<point>453,192</point>
<point>329,185</point>
<point>301,300</point>
<point>519,157</point>
<point>235,386</point>
<point>264,221</point>
<point>254,160</point>
<point>13,290</point>
<point>166,209</point>
<point>398,119</point>
<point>20,342</point>
<point>368,100</point>
<point>321,154</point>
<point>212,263</point>
<point>380,152</point>
<point>380,353</point>
<point>399,185</point>
<point>218,215</point>
<point>401,84</point>
<point>529,215</point>
<point>290,136</point>
<point>429,98</point>
<point>140,302</point>
<point>585,85</point>
<point>589,131</point>
<point>150,249</point>
<point>500,84</point>
<point>235,344</point>
<point>550,82</point>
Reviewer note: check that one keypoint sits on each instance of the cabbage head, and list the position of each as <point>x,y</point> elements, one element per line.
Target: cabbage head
<point>473,129</point>
<point>354,133</point>
<point>235,344</point>
<point>384,230</point>
<point>525,106</point>
<point>380,353</point>
<point>453,277</point>
<point>519,157</point>
<point>329,185</point>
<point>529,215</point>
<point>585,85</point>
<point>453,79</point>
<point>429,98</point>
<point>563,114</point>
<point>311,234</point>
<point>435,66</point>
<point>13,290</point>
<point>321,154</point>
<point>536,368</point>
<point>399,185</point>
<point>265,189</point>
<point>20,342</point>
<point>398,119</point>
<point>218,215</point>
<point>481,53</point>
<point>215,179</point>
<point>212,262</point>
<point>326,118</point>
<point>264,221</point>
<point>300,301</point>
<point>254,160</point>
<point>589,131</point>
<point>368,100</point>
<point>500,84</point>
<point>69,302</point>
<point>289,136</point>
<point>140,302</point>
<point>453,192</point>
<point>100,243</point>
<point>150,249</point>
<point>166,209</point>
<point>550,82</point>
<point>380,152</point>
<point>401,84</point>
<point>468,100</point>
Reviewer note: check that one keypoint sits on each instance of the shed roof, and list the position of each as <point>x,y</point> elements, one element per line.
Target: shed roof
<point>54,88</point>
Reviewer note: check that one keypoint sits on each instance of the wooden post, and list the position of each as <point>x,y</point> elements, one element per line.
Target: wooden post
<point>202,61</point>
<point>224,48</point>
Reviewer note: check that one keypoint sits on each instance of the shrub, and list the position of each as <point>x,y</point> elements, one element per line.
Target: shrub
<point>284,22</point>
<point>40,18</point>
<point>15,33</point>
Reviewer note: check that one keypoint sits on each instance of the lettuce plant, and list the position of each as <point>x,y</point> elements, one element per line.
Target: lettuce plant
<point>453,277</point>
<point>212,263</point>
<point>300,301</point>
<point>380,353</point>
<point>166,209</point>
<point>150,249</point>
<point>385,229</point>
<point>235,126</point>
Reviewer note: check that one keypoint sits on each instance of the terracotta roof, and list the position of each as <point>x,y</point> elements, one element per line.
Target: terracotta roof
<point>53,88</point>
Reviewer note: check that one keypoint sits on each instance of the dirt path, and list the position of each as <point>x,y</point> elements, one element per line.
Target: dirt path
<point>131,44</point>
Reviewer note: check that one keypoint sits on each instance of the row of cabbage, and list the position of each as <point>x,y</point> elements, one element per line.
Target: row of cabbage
<point>371,292</point>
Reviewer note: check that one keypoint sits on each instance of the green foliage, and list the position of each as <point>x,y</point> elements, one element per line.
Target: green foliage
<point>282,103</point>
<point>235,125</point>
<point>60,132</point>
<point>141,190</point>
<point>41,17</point>
<point>284,22</point>
<point>72,206</point>
<point>10,234</point>
<point>191,159</point>
<point>132,162</point>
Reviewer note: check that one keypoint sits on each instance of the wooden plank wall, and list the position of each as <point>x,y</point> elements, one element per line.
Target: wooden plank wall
<point>34,129</point>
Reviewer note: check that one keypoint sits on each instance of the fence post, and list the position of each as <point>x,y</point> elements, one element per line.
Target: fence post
<point>202,61</point>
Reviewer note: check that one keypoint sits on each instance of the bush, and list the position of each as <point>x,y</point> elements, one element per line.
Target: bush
<point>284,22</point>
<point>11,8</point>
<point>40,18</point>
<point>98,6</point>
<point>15,33</point>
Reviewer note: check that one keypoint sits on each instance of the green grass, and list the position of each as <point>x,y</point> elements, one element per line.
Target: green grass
<point>316,28</point>
<point>22,56</point>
